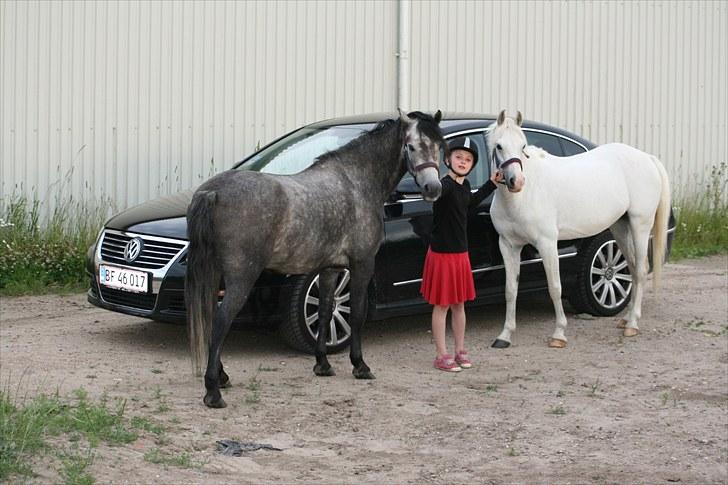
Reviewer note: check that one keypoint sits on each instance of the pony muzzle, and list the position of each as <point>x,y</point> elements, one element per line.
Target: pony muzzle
<point>431,190</point>
<point>512,176</point>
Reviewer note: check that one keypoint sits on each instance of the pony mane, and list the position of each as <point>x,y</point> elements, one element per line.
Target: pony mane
<point>425,123</point>
<point>382,128</point>
<point>535,151</point>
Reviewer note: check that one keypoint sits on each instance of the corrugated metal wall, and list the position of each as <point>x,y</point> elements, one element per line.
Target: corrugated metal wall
<point>130,100</point>
<point>650,74</point>
<point>138,99</point>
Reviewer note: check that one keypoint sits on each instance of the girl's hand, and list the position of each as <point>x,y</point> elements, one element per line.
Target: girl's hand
<point>496,176</point>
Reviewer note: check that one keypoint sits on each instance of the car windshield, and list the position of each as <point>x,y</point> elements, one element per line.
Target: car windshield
<point>300,149</point>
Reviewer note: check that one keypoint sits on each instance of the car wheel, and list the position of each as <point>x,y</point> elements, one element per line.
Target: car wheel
<point>603,283</point>
<point>300,326</point>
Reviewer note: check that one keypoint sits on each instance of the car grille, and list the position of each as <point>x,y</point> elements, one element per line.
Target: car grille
<point>142,301</point>
<point>156,254</point>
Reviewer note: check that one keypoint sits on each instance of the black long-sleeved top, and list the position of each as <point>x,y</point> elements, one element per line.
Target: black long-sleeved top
<point>450,229</point>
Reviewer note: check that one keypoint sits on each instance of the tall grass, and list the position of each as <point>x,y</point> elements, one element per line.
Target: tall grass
<point>39,255</point>
<point>702,221</point>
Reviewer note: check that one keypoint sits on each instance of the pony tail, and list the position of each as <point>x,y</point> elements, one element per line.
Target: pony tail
<point>202,279</point>
<point>659,229</point>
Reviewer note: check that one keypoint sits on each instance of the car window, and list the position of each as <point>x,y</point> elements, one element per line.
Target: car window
<point>300,149</point>
<point>570,148</point>
<point>550,143</point>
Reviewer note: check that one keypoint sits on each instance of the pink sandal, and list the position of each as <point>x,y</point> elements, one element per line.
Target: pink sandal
<point>461,358</point>
<point>446,363</point>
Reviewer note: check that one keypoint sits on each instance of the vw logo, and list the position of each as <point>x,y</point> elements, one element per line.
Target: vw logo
<point>133,249</point>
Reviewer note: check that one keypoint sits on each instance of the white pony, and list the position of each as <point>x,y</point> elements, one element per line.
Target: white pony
<point>546,198</point>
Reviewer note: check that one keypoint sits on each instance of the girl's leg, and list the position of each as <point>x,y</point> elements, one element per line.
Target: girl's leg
<point>438,328</point>
<point>458,326</point>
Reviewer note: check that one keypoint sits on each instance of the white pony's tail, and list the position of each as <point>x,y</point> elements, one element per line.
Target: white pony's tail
<point>659,229</point>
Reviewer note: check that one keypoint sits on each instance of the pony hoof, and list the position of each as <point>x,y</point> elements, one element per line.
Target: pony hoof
<point>500,344</point>
<point>556,343</point>
<point>630,332</point>
<point>323,371</point>
<point>622,323</point>
<point>363,374</point>
<point>211,402</point>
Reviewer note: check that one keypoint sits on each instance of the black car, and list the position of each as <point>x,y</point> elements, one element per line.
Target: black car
<point>137,265</point>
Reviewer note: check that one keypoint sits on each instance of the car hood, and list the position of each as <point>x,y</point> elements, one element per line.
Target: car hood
<point>164,216</point>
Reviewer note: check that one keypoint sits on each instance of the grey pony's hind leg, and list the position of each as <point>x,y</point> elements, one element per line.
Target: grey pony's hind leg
<point>236,294</point>
<point>361,274</point>
<point>327,282</point>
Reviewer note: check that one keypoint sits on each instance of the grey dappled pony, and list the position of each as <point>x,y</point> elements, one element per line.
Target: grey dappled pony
<point>323,219</point>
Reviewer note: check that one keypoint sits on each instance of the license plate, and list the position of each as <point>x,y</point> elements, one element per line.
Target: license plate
<point>124,279</point>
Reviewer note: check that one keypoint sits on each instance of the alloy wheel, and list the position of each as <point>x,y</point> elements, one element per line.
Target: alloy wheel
<point>611,281</point>
<point>339,329</point>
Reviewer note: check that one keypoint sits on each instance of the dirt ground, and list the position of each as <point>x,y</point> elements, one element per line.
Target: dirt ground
<point>606,409</point>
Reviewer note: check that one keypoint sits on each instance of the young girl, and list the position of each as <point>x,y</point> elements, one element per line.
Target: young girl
<point>447,279</point>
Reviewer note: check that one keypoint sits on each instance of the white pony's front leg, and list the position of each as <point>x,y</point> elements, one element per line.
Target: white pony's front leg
<point>550,254</point>
<point>512,259</point>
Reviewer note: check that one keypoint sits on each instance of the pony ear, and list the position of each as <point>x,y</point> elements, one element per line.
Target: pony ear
<point>519,119</point>
<point>438,116</point>
<point>501,117</point>
<point>403,117</point>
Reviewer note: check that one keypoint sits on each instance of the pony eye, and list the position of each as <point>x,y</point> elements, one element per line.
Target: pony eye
<point>499,147</point>
<point>410,147</point>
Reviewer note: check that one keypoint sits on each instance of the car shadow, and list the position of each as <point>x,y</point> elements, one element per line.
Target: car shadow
<point>250,340</point>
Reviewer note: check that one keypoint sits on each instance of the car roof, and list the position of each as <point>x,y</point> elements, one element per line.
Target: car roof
<point>451,122</point>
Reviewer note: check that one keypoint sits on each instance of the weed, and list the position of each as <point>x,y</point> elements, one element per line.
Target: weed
<point>41,254</point>
<point>183,460</point>
<point>145,424</point>
<point>594,388</point>
<point>511,451</point>
<point>557,410</point>
<point>254,390</point>
<point>665,396</point>
<point>702,221</point>
<point>491,388</point>
<point>25,426</point>
<point>74,467</point>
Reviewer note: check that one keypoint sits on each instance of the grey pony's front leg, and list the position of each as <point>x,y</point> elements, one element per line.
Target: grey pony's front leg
<point>512,259</point>
<point>361,274</point>
<point>327,283</point>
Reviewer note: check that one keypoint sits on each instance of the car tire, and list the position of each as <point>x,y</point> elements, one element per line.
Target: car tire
<point>603,281</point>
<point>299,328</point>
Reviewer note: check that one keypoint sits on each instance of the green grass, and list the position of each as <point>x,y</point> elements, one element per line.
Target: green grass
<point>702,221</point>
<point>76,427</point>
<point>41,255</point>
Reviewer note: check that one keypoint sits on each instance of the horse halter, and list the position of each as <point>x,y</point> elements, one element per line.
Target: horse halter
<point>412,168</point>
<point>502,165</point>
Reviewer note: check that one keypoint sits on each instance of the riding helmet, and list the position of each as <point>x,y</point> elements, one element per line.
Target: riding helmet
<point>463,143</point>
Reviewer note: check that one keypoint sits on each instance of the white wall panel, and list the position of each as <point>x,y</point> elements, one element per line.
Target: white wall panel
<point>130,100</point>
<point>650,74</point>
<point>134,99</point>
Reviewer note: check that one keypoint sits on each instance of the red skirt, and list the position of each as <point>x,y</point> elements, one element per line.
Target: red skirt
<point>447,278</point>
